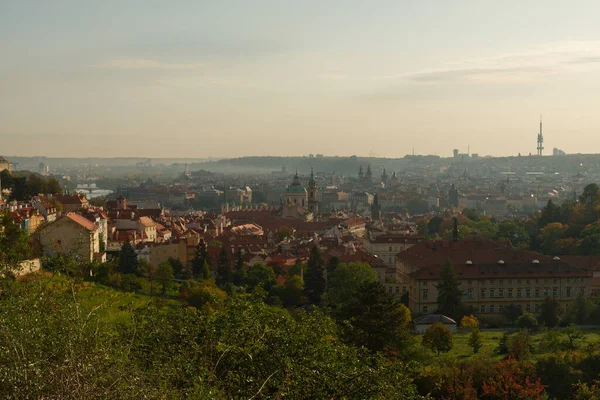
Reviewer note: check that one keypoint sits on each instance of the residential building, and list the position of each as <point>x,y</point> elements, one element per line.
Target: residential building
<point>71,234</point>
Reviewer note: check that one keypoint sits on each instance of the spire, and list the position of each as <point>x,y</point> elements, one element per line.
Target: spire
<point>455,230</point>
<point>311,181</point>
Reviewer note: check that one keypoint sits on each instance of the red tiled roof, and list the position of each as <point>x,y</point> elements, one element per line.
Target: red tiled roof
<point>552,269</point>
<point>84,222</point>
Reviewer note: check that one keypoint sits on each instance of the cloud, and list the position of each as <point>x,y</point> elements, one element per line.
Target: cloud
<point>147,64</point>
<point>526,66</point>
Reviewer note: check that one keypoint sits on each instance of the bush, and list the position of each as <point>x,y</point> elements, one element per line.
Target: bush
<point>527,321</point>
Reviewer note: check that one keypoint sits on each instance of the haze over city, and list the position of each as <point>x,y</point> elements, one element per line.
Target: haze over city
<point>233,78</point>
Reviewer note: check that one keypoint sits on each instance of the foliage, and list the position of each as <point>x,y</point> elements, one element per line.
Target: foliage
<point>373,319</point>
<point>164,275</point>
<point>521,345</point>
<point>438,338</point>
<point>551,312</point>
<point>513,312</point>
<point>511,382</point>
<point>346,279</point>
<point>200,259</point>
<point>314,278</point>
<point>449,296</point>
<point>527,321</point>
<point>515,232</point>
<point>128,261</point>
<point>260,275</point>
<point>224,270</point>
<point>15,244</point>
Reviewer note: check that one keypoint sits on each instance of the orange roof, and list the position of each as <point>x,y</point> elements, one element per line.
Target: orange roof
<point>86,223</point>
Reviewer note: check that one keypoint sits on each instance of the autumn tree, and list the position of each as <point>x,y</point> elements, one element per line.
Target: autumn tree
<point>510,381</point>
<point>438,338</point>
<point>475,339</point>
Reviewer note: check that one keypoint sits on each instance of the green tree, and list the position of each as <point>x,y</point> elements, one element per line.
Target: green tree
<point>374,319</point>
<point>513,231</point>
<point>53,187</point>
<point>224,270</point>
<point>475,340</point>
<point>15,244</point>
<point>128,261</point>
<point>200,259</point>
<point>550,234</point>
<point>438,338</point>
<point>551,312</point>
<point>590,196</point>
<point>513,312</point>
<point>345,281</point>
<point>260,275</point>
<point>314,278</point>
<point>550,214</point>
<point>332,264</point>
<point>164,276</point>
<point>581,309</point>
<point>527,321</point>
<point>449,296</point>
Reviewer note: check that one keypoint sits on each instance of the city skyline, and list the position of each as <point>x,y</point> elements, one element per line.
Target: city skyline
<point>199,79</point>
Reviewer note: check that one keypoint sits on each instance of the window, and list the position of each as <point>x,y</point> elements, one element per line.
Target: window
<point>518,292</point>
<point>424,283</point>
<point>510,281</point>
<point>482,308</point>
<point>492,309</point>
<point>501,282</point>
<point>568,292</point>
<point>501,308</point>
<point>537,307</point>
<point>509,292</point>
<point>424,294</point>
<point>527,292</point>
<point>491,282</point>
<point>501,293</point>
<point>397,289</point>
<point>389,260</point>
<point>403,289</point>
<point>537,281</point>
<point>555,292</point>
<point>424,309</point>
<point>518,281</point>
<point>545,292</point>
<point>469,282</point>
<point>390,249</point>
<point>389,289</point>
<point>545,280</point>
<point>527,282</point>
<point>555,281</point>
<point>492,292</point>
<point>528,308</point>
<point>537,292</point>
<point>470,294</point>
<point>482,294</point>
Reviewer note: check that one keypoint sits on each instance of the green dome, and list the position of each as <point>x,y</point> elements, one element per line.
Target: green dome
<point>296,188</point>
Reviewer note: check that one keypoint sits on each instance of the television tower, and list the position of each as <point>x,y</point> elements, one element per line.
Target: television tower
<point>540,140</point>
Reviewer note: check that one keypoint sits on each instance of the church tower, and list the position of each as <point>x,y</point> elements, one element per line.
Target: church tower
<point>313,202</point>
<point>384,177</point>
<point>369,174</point>
<point>375,209</point>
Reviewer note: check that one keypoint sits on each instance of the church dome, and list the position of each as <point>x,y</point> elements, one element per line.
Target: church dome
<point>296,186</point>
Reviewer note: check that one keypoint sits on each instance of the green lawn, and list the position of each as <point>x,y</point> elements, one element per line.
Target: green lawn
<point>462,350</point>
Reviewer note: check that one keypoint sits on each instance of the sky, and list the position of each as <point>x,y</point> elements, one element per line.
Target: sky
<point>177,78</point>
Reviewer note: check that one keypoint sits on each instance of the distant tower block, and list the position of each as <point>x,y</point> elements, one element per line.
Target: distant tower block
<point>540,140</point>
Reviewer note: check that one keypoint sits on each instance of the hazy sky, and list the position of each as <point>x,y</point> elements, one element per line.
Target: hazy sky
<point>290,77</point>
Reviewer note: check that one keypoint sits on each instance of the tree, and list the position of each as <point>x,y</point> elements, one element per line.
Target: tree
<point>550,234</point>
<point>527,321</point>
<point>164,275</point>
<point>520,345</point>
<point>128,261</point>
<point>224,271</point>
<point>511,382</point>
<point>260,275</point>
<point>314,278</point>
<point>177,265</point>
<point>374,319</point>
<point>438,338</point>
<point>514,232</point>
<point>475,339</point>
<point>239,273</point>
<point>15,244</point>
<point>289,291</point>
<point>590,196</point>
<point>200,259</point>
<point>449,296</point>
<point>513,312</point>
<point>345,281</point>
<point>550,214</point>
<point>551,312</point>
<point>206,274</point>
<point>332,264</point>
<point>581,309</point>
<point>53,187</point>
